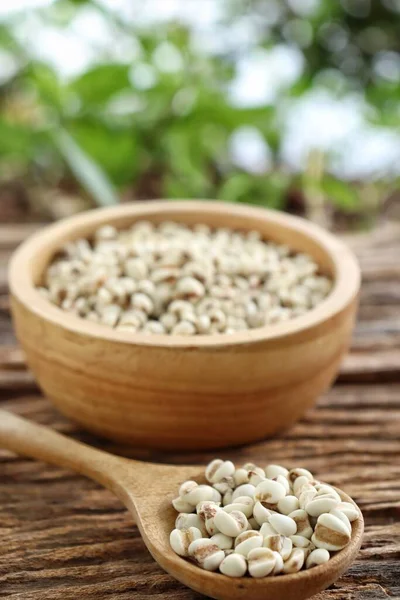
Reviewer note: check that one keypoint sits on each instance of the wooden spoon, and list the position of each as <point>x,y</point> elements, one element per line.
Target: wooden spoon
<point>146,490</point>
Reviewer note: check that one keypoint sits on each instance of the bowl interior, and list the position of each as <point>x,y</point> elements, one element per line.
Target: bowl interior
<point>333,257</point>
<point>285,232</point>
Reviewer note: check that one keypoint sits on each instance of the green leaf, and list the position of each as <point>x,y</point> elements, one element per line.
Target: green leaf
<point>114,149</point>
<point>342,194</point>
<point>268,190</point>
<point>16,141</point>
<point>86,171</point>
<point>47,85</point>
<point>187,161</point>
<point>235,187</point>
<point>98,85</point>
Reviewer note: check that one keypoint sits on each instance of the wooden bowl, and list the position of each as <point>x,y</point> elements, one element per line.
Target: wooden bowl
<point>175,392</point>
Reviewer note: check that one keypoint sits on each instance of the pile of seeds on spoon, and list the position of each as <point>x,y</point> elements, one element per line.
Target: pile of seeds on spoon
<point>173,279</point>
<point>260,521</point>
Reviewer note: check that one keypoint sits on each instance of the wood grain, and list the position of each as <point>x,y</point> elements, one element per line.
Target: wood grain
<point>64,538</point>
<point>147,489</point>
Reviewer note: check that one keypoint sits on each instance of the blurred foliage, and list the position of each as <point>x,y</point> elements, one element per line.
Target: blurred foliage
<point>160,124</point>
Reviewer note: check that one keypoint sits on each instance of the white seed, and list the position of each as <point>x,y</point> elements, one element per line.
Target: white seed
<point>269,491</point>
<point>227,498</point>
<point>299,484</point>
<point>350,510</point>
<point>274,542</point>
<point>146,286</point>
<point>206,554</point>
<point>295,473</point>
<point>272,471</point>
<point>217,318</point>
<point>249,466</point>
<point>135,318</point>
<point>283,524</point>
<point>323,489</point>
<point>247,541</point>
<point>300,541</point>
<point>226,484</point>
<point>203,324</point>
<point>295,561</point>
<point>217,496</point>
<point>320,505</point>
<point>136,268</point>
<point>219,469</point>
<point>186,520</point>
<point>253,524</point>
<point>154,327</point>
<point>267,529</point>
<point>181,505</point>
<point>308,493</point>
<point>233,565</point>
<point>243,504</point>
<point>142,302</point>
<point>199,494</point>
<point>256,476</point>
<point>189,286</point>
<point>104,298</point>
<point>284,482</point>
<point>302,520</point>
<point>223,542</point>
<point>241,476</point>
<point>260,513</point>
<point>286,548</point>
<point>180,539</point>
<point>180,307</point>
<point>168,321</point>
<point>340,515</point>
<point>110,315</point>
<point>261,562</point>
<point>231,524</point>
<point>288,504</point>
<point>184,328</point>
<point>165,274</point>
<point>212,469</point>
<point>317,557</point>
<point>186,488</point>
<point>278,564</point>
<point>244,490</point>
<point>211,527</point>
<point>330,533</point>
<point>206,509</point>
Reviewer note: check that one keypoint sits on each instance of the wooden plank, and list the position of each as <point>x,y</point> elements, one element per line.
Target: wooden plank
<point>359,367</point>
<point>12,235</point>
<point>65,538</point>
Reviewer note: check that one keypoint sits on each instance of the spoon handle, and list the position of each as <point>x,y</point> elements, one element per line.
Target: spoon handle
<point>36,441</point>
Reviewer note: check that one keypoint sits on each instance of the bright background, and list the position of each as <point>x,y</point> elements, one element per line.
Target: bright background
<point>293,104</point>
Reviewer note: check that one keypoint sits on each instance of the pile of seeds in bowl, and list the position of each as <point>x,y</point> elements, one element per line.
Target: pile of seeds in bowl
<point>260,521</point>
<point>173,279</point>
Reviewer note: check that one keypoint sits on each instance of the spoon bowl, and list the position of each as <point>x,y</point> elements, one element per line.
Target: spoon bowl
<point>147,490</point>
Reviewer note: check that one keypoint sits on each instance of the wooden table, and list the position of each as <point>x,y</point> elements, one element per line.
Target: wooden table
<point>62,537</point>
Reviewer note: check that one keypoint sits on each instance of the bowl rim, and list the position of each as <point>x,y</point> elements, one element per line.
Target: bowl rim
<point>345,289</point>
